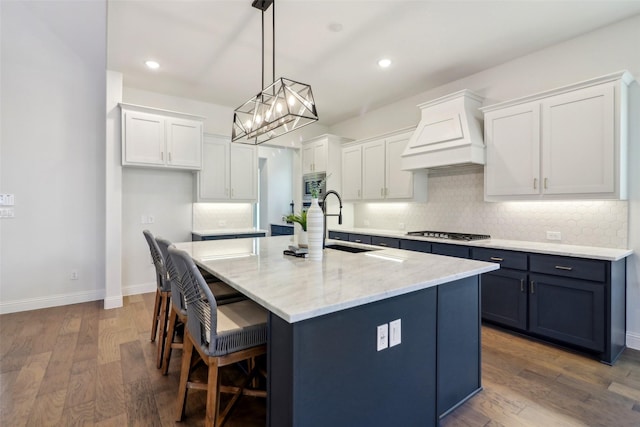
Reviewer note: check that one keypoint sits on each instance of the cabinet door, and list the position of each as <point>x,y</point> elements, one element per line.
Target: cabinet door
<point>144,139</point>
<point>568,310</point>
<point>352,173</point>
<point>457,251</point>
<point>512,136</point>
<point>399,182</point>
<point>243,172</point>
<point>373,164</point>
<point>184,143</point>
<point>213,178</point>
<point>320,156</point>
<point>307,158</point>
<point>504,298</point>
<point>578,142</point>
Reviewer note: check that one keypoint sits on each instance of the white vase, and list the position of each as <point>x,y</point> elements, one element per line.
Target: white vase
<point>315,230</point>
<point>302,238</point>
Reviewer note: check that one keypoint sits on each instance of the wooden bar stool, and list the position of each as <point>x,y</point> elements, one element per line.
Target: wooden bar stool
<point>220,335</point>
<point>163,297</point>
<point>222,292</point>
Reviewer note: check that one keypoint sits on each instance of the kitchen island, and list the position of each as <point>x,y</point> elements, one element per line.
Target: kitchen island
<point>325,361</point>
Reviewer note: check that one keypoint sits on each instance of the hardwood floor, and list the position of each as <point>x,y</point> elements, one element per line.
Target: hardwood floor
<point>82,365</point>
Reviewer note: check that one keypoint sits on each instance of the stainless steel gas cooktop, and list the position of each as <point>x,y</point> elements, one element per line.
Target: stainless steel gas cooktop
<point>449,235</point>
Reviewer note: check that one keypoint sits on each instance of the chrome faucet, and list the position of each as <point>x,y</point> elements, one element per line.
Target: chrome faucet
<point>324,211</point>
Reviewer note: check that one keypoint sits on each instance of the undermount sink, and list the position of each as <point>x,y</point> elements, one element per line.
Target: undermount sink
<point>346,248</point>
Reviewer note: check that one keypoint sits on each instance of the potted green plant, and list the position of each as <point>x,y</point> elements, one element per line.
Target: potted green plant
<point>302,220</point>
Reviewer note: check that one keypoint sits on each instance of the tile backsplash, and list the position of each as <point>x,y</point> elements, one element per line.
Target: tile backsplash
<point>213,216</point>
<point>456,203</point>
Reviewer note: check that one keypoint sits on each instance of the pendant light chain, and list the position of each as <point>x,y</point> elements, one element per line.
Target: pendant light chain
<point>285,105</point>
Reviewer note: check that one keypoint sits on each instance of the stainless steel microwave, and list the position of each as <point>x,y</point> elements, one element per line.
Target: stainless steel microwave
<point>311,179</point>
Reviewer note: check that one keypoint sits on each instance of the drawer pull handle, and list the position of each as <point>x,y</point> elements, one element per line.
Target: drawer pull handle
<point>521,285</point>
<point>382,244</point>
<point>533,289</point>
<point>535,183</point>
<point>358,241</point>
<point>562,267</point>
<point>338,238</point>
<point>545,184</point>
<point>495,258</point>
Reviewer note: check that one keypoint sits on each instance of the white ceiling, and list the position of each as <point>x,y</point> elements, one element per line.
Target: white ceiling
<point>210,50</point>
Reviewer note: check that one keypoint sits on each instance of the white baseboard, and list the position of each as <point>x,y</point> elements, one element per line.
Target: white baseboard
<point>633,340</point>
<point>50,301</point>
<point>141,288</point>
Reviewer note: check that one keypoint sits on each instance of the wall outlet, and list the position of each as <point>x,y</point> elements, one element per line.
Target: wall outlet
<point>401,226</point>
<point>366,222</point>
<point>554,235</point>
<point>382,340</point>
<point>222,223</point>
<point>395,332</point>
<point>6,213</point>
<point>74,274</point>
<point>7,200</point>
<point>150,219</point>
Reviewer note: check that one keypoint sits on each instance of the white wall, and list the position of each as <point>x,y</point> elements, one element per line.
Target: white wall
<point>53,83</point>
<point>609,49</point>
<point>167,196</point>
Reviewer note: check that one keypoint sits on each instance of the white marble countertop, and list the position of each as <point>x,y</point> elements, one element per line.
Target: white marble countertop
<point>297,289</point>
<point>225,231</point>
<point>591,252</point>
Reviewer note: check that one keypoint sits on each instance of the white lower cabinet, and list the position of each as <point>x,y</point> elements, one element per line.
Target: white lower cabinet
<point>570,143</point>
<point>372,170</point>
<point>229,171</point>
<point>160,139</point>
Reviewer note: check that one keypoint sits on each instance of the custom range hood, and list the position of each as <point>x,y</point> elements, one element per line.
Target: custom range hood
<point>449,133</point>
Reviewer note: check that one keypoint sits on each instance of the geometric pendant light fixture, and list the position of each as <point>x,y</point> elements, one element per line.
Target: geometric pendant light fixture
<point>285,105</point>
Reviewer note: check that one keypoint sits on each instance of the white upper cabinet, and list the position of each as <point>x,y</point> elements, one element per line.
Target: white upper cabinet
<point>229,171</point>
<point>569,143</point>
<point>314,156</point>
<point>399,183</point>
<point>324,154</point>
<point>512,136</point>
<point>352,173</point>
<point>158,138</point>
<point>372,170</point>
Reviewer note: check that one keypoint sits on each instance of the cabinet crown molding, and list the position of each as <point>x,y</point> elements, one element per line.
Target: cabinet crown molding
<point>624,76</point>
<point>153,110</point>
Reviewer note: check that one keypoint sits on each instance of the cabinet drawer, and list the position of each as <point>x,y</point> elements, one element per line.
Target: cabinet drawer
<point>577,268</point>
<point>450,250</point>
<point>360,238</point>
<point>415,245</point>
<point>388,242</point>
<point>339,235</point>
<point>507,259</point>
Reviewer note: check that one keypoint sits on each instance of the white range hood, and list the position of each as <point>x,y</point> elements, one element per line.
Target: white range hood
<point>449,133</point>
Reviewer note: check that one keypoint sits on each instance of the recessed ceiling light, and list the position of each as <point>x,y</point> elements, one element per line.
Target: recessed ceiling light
<point>152,64</point>
<point>384,63</point>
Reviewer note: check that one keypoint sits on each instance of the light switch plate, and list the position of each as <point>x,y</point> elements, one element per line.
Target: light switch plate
<point>395,332</point>
<point>383,337</point>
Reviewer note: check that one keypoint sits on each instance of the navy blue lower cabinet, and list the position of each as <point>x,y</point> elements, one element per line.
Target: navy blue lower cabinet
<point>415,245</point>
<point>569,310</point>
<point>458,251</point>
<point>504,298</point>
<point>387,242</point>
<point>339,235</point>
<point>360,238</point>
<point>281,230</point>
